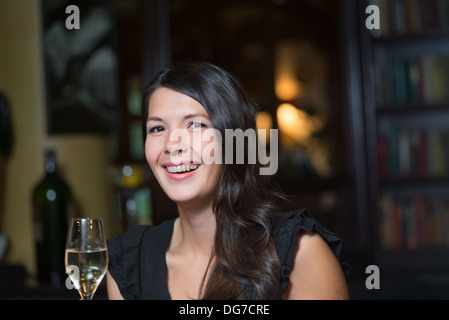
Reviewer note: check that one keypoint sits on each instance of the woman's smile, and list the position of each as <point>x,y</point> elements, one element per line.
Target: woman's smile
<point>182,171</point>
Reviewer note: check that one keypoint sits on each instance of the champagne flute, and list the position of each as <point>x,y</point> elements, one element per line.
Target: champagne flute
<point>86,256</point>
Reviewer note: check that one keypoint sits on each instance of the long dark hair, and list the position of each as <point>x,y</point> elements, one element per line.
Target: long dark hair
<point>246,261</point>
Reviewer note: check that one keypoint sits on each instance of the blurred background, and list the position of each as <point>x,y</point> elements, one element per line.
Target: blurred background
<point>362,113</point>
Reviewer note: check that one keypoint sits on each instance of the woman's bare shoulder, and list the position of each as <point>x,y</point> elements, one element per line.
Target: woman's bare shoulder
<point>316,272</point>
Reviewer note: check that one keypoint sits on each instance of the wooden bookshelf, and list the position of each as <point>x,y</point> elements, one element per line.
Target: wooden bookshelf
<point>405,72</point>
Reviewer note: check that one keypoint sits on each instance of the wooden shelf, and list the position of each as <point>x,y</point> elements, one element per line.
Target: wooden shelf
<point>424,35</point>
<point>442,180</point>
<point>425,258</point>
<point>415,109</point>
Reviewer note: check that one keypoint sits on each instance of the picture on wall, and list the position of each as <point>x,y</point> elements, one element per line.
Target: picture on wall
<point>80,66</point>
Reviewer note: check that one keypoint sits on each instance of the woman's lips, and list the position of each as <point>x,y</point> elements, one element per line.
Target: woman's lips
<point>180,171</point>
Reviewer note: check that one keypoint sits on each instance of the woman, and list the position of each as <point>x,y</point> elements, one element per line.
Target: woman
<point>231,239</point>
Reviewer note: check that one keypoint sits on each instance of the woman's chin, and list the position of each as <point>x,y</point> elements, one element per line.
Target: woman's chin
<point>190,201</point>
<point>182,198</point>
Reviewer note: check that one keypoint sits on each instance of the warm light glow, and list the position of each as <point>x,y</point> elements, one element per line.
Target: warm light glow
<point>287,88</point>
<point>264,120</point>
<point>294,124</point>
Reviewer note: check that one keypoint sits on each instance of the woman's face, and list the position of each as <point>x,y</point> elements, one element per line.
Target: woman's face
<point>174,148</point>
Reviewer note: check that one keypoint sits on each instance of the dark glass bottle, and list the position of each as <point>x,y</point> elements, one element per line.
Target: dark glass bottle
<point>52,206</point>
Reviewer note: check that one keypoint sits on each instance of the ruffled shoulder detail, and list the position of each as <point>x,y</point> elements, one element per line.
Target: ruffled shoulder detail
<point>124,261</point>
<point>286,229</point>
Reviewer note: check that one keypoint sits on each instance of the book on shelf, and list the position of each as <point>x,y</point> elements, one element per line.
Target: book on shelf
<point>417,82</point>
<point>400,17</point>
<point>413,153</point>
<point>414,222</point>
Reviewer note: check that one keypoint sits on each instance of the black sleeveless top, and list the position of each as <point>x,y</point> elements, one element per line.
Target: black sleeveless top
<point>137,257</point>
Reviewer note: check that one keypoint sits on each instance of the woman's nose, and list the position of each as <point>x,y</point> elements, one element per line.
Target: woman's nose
<point>177,142</point>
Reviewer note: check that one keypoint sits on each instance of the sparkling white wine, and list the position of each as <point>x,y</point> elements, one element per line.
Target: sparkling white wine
<point>91,264</point>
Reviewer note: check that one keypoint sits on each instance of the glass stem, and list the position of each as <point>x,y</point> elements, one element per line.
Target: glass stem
<point>87,296</point>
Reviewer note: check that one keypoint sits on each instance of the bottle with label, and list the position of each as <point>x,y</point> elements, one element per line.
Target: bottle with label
<point>52,206</point>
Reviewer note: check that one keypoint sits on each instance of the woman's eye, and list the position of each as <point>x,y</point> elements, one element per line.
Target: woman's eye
<point>156,129</point>
<point>197,125</point>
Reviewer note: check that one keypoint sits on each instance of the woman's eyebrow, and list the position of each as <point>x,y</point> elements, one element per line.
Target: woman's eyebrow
<point>191,115</point>
<point>154,119</point>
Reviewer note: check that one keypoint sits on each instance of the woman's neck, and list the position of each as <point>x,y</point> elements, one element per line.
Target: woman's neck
<point>194,230</point>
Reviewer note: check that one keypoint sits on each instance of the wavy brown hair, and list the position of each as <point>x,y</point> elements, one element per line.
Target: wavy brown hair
<point>246,262</point>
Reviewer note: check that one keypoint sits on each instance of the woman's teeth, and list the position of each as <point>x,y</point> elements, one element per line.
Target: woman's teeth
<point>182,168</point>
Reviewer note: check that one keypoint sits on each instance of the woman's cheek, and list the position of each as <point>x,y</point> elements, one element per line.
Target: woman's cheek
<point>151,153</point>
<point>211,147</point>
